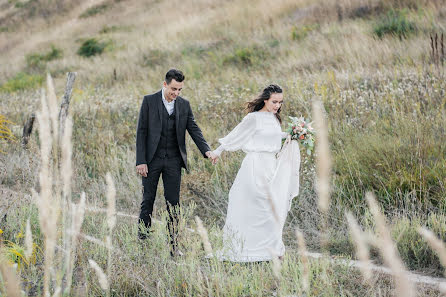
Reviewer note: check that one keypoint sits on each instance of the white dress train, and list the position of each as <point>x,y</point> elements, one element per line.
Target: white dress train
<point>260,197</point>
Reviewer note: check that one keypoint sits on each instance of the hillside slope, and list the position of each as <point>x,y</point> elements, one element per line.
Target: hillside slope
<point>369,62</point>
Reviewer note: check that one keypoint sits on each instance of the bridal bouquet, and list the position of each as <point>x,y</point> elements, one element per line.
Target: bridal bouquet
<point>303,132</point>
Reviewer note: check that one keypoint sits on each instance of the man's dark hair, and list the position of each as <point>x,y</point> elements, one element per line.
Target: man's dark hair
<point>174,74</point>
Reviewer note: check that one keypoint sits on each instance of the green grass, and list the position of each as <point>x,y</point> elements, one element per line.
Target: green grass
<point>146,268</point>
<point>396,23</point>
<point>21,81</point>
<point>246,56</point>
<point>95,10</point>
<point>155,57</point>
<point>413,248</point>
<point>38,60</point>
<point>91,47</point>
<point>300,32</point>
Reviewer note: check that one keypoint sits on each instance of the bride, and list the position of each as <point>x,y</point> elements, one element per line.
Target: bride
<point>261,194</point>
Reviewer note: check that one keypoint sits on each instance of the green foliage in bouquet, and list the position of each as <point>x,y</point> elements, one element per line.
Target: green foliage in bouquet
<point>303,132</point>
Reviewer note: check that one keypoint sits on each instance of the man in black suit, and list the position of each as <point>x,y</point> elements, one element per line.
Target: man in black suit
<point>161,149</point>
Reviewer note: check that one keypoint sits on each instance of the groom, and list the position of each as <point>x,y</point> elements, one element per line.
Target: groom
<point>161,149</point>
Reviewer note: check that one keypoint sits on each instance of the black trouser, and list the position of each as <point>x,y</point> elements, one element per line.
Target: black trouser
<point>170,169</point>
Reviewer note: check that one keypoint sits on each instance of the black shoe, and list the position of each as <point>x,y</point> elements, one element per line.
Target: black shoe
<point>144,234</point>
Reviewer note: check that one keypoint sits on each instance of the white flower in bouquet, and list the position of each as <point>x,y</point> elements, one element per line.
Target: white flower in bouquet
<point>303,132</point>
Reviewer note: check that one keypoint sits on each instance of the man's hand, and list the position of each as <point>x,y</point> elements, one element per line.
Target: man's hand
<point>212,156</point>
<point>142,169</point>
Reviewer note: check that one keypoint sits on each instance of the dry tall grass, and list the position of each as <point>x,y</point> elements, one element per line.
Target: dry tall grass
<point>389,252</point>
<point>437,245</point>
<point>362,250</point>
<point>304,259</point>
<point>204,236</point>
<point>373,92</point>
<point>10,280</point>
<point>60,219</point>
<point>323,159</point>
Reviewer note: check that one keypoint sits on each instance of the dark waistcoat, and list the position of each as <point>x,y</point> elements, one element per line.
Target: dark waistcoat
<point>168,144</point>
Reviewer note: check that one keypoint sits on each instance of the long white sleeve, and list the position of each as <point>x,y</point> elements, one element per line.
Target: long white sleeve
<point>239,136</point>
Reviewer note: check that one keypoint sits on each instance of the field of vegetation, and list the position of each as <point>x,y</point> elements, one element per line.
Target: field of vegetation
<point>69,203</point>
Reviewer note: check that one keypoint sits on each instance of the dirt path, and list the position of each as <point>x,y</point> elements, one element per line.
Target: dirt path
<point>413,277</point>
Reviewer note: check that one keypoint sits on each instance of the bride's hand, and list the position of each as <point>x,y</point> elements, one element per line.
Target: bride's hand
<point>288,139</point>
<point>211,155</point>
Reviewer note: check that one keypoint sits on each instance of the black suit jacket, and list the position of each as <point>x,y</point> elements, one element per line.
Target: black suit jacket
<point>149,128</point>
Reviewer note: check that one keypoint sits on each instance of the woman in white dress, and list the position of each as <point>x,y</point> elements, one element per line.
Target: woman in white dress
<point>260,196</point>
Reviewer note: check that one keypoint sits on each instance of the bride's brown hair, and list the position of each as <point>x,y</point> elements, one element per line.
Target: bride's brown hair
<point>257,103</point>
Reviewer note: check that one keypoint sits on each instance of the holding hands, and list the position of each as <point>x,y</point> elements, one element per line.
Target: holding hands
<point>212,156</point>
<point>142,169</point>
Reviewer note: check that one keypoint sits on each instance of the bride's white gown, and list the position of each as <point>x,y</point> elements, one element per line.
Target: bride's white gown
<point>261,194</point>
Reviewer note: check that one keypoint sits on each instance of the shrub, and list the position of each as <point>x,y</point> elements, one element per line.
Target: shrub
<point>395,23</point>
<point>246,56</point>
<point>39,60</point>
<point>91,47</point>
<point>154,57</point>
<point>300,32</point>
<point>21,81</point>
<point>20,4</point>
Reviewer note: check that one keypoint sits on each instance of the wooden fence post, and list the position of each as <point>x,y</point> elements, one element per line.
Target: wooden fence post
<point>27,129</point>
<point>71,76</point>
<point>63,113</point>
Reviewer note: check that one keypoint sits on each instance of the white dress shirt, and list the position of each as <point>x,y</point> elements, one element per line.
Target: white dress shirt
<point>169,105</point>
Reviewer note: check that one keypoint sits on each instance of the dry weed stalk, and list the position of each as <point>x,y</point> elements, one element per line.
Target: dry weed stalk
<point>52,105</point>
<point>66,170</point>
<point>323,160</point>
<point>51,177</point>
<point>10,280</point>
<point>28,241</point>
<point>57,292</point>
<point>53,115</point>
<point>404,287</point>
<point>204,236</point>
<point>302,248</point>
<point>436,244</point>
<point>323,167</point>
<point>78,212</point>
<point>102,278</point>
<point>66,166</point>
<point>93,240</point>
<point>276,264</point>
<point>111,219</point>
<point>362,250</point>
<point>47,204</point>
